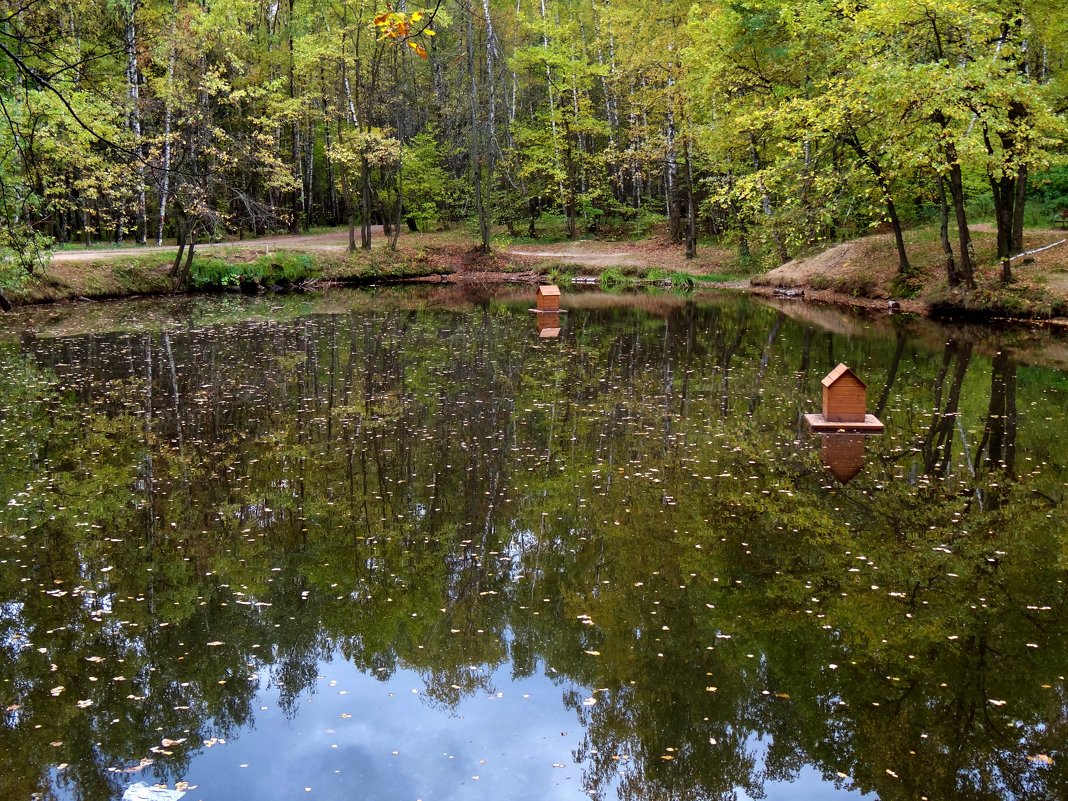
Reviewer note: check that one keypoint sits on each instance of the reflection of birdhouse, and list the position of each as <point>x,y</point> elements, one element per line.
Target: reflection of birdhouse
<point>843,455</point>
<point>547,324</point>
<point>845,400</point>
<point>548,299</point>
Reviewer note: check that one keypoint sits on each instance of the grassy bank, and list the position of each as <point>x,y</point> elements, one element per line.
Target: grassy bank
<point>865,272</point>
<point>124,274</point>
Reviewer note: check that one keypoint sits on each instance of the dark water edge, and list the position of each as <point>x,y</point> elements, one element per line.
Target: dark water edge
<point>400,541</point>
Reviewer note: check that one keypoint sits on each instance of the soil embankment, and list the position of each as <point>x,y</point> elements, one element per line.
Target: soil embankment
<point>861,273</point>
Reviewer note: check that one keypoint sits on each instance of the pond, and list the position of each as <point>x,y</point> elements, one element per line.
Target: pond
<point>419,544</point>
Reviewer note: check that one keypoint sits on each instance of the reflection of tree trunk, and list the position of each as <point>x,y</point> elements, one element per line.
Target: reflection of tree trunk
<point>150,473</point>
<point>892,376</point>
<point>725,361</point>
<point>938,444</point>
<point>999,434</point>
<point>765,357</point>
<point>806,357</point>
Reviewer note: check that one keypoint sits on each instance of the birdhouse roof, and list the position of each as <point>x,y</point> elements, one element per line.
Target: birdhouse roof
<point>549,289</point>
<point>838,373</point>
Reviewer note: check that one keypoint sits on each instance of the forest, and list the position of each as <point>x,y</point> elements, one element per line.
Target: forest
<point>769,125</point>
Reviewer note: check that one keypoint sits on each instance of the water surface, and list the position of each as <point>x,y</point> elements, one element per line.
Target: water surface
<point>400,545</point>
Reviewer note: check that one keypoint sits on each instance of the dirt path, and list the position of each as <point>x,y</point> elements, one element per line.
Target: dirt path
<point>586,253</point>
<point>332,240</point>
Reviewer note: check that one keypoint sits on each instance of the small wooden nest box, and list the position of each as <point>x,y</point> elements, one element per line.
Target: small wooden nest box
<point>845,404</point>
<point>548,299</point>
<point>845,397</point>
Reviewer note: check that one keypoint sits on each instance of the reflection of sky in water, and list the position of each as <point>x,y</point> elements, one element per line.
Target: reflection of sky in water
<point>400,745</point>
<point>438,751</point>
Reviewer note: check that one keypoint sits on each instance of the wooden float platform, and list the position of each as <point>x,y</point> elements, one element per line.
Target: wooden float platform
<point>870,425</point>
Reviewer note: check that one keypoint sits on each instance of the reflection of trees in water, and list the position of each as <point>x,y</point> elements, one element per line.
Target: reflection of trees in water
<point>998,446</point>
<point>383,462</point>
<point>938,443</point>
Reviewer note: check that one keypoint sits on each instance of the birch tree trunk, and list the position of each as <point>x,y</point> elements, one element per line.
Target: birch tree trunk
<point>133,78</point>
<point>476,154</point>
<point>168,114</point>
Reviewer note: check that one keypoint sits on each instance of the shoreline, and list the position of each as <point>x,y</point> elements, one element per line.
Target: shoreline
<point>847,275</point>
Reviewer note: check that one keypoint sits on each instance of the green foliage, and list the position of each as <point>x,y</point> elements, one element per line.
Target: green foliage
<point>1050,189</point>
<point>614,278</point>
<point>428,189</point>
<point>209,272</point>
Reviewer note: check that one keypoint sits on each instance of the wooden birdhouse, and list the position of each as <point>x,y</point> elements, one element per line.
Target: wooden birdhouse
<point>845,402</point>
<point>845,397</point>
<point>842,455</point>
<point>547,325</point>
<point>548,299</point>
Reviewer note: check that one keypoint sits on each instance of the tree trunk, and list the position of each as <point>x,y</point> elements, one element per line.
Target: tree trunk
<point>765,200</point>
<point>691,215</point>
<point>671,182</point>
<point>365,204</point>
<point>296,205</point>
<point>134,120</point>
<point>870,161</point>
<point>176,268</point>
<point>476,157</point>
<point>1019,210</point>
<point>491,94</point>
<point>165,189</point>
<point>964,237</point>
<point>956,192</point>
<point>952,276</point>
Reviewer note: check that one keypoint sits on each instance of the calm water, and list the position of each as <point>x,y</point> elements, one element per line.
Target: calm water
<point>398,545</point>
